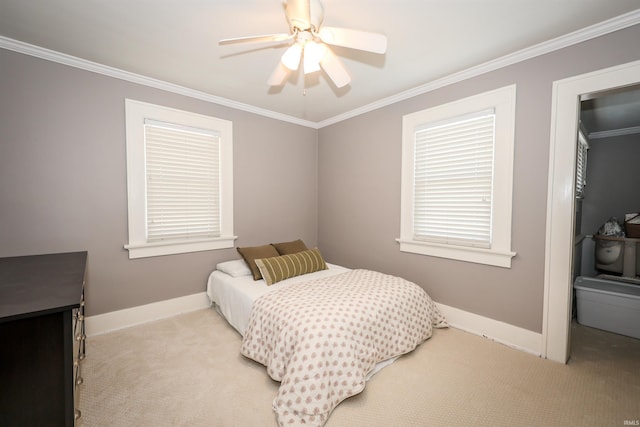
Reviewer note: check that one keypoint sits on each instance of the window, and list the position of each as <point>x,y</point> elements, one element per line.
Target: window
<point>581,164</point>
<point>179,179</point>
<point>457,169</point>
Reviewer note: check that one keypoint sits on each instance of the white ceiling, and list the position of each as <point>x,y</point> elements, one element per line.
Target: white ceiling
<point>177,42</point>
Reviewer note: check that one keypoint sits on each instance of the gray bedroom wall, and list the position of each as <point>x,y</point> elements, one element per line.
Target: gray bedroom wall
<point>63,180</point>
<point>359,186</point>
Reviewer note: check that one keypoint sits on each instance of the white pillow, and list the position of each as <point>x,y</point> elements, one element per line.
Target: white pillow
<point>235,268</point>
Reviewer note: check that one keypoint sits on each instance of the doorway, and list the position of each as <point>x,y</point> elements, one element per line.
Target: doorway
<point>607,174</point>
<point>559,248</point>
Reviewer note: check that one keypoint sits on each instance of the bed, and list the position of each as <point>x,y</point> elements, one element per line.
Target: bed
<point>322,334</point>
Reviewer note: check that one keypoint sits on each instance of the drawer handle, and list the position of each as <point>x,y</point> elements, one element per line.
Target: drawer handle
<point>79,381</point>
<point>77,414</point>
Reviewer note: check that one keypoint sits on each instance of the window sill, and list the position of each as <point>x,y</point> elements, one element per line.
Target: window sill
<point>461,253</point>
<point>145,250</point>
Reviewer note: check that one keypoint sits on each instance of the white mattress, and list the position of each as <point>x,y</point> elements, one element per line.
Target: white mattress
<point>234,296</point>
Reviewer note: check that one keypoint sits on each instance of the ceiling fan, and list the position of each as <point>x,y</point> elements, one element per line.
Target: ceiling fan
<point>311,43</point>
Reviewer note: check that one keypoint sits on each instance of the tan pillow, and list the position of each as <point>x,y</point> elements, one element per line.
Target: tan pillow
<point>286,248</point>
<point>250,254</point>
<point>283,267</point>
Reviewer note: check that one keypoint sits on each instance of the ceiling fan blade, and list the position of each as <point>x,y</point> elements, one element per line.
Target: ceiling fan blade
<point>299,14</point>
<point>316,13</point>
<point>262,38</point>
<point>354,39</point>
<point>334,69</point>
<point>279,75</point>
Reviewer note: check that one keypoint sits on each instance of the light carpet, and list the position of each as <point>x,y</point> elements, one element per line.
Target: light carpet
<point>187,371</point>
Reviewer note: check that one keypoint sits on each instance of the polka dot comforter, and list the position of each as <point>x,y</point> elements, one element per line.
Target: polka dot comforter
<point>321,338</point>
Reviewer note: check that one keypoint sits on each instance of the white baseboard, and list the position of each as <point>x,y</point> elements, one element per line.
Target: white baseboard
<point>112,321</point>
<point>512,336</point>
<point>504,333</point>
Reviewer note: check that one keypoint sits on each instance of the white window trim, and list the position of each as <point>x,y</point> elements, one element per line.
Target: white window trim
<point>136,113</point>
<point>503,101</point>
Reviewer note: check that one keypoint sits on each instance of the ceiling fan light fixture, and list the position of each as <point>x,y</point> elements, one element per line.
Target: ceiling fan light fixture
<point>313,54</point>
<point>313,43</point>
<point>291,57</point>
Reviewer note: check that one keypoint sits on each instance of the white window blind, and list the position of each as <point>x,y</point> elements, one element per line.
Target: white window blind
<point>453,180</point>
<point>457,179</point>
<point>581,165</point>
<point>183,182</point>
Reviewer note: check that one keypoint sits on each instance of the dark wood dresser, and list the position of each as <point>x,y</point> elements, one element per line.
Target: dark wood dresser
<point>41,338</point>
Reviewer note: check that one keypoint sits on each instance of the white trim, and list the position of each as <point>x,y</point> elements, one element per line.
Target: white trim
<point>509,335</point>
<point>504,333</point>
<point>503,102</point>
<point>579,36</point>
<point>115,320</point>
<point>559,245</point>
<point>145,250</point>
<point>584,34</point>
<point>461,253</point>
<point>94,67</point>
<point>136,114</point>
<point>615,132</point>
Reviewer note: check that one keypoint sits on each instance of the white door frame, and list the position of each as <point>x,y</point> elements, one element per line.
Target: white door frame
<point>561,197</point>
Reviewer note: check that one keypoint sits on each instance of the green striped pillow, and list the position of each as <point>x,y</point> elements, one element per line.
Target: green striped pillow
<point>278,268</point>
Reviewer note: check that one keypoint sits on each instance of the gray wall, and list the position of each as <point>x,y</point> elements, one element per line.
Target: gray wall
<point>359,186</point>
<point>613,175</point>
<point>63,180</point>
<point>63,183</point>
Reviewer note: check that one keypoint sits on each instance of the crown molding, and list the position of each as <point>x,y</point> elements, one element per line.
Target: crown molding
<point>94,67</point>
<point>588,33</point>
<point>615,132</point>
<point>579,36</point>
